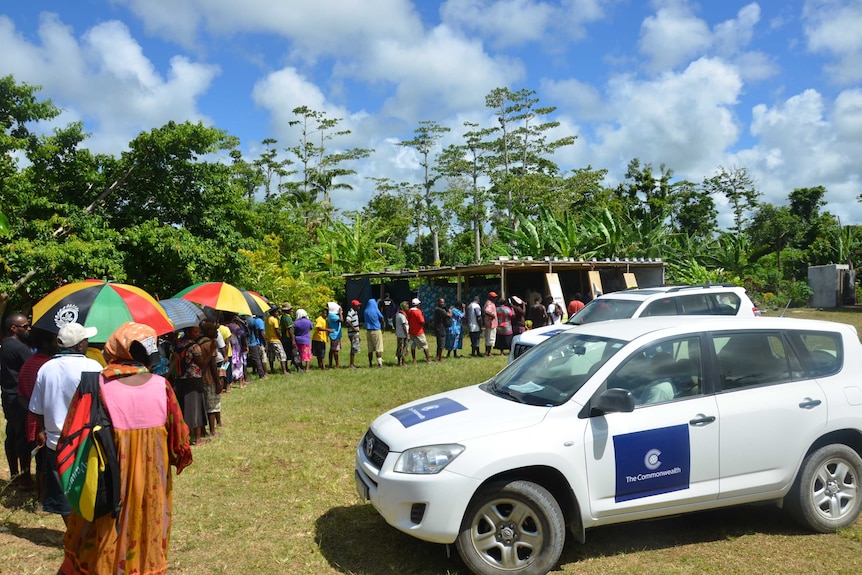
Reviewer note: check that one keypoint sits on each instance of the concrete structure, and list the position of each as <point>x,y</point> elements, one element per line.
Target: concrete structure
<point>833,285</point>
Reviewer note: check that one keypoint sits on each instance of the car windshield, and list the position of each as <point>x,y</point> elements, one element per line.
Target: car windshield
<point>603,309</point>
<point>554,370</point>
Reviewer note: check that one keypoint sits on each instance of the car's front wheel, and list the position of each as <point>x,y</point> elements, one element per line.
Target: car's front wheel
<point>827,494</point>
<point>514,528</point>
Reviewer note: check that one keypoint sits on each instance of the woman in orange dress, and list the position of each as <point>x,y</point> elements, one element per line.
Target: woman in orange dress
<point>150,436</point>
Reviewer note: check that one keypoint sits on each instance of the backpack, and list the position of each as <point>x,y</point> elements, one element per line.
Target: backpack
<point>87,456</point>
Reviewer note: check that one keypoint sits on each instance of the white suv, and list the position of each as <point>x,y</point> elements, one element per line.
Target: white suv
<point>620,421</point>
<point>708,299</point>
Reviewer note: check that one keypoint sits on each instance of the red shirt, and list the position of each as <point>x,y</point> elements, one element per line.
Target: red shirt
<point>415,321</point>
<point>26,382</point>
<point>575,306</point>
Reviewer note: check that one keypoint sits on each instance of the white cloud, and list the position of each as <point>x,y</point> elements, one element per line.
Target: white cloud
<point>805,143</point>
<point>675,36</point>
<point>833,27</point>
<point>105,79</point>
<point>684,120</point>
<point>501,22</point>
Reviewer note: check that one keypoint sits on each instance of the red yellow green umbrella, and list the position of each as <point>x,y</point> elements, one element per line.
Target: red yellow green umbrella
<point>217,295</point>
<point>100,304</point>
<point>258,304</point>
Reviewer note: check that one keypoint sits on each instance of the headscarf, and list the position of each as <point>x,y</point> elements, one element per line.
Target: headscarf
<point>131,349</point>
<point>301,313</point>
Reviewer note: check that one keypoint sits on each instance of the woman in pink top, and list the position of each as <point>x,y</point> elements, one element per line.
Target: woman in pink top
<point>150,436</point>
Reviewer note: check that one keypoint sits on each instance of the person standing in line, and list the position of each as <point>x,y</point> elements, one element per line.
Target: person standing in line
<point>150,436</point>
<point>274,348</point>
<point>402,334</point>
<point>489,317</point>
<point>55,386</point>
<point>256,337</point>
<point>454,337</point>
<point>474,326</point>
<point>189,365</point>
<point>352,321</point>
<point>45,344</point>
<point>14,352</point>
<point>504,327</point>
<point>302,337</point>
<point>208,342</point>
<point>519,315</point>
<point>416,321</point>
<point>373,327</point>
<point>555,312</point>
<point>538,313</point>
<point>441,321</point>
<point>285,324</point>
<point>575,305</point>
<point>389,310</point>
<point>320,337</point>
<point>335,321</point>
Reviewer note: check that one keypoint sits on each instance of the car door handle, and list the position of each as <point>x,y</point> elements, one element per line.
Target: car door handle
<point>810,403</point>
<point>701,420</point>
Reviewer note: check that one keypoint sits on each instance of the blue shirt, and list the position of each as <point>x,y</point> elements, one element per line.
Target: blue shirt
<point>373,317</point>
<point>254,324</point>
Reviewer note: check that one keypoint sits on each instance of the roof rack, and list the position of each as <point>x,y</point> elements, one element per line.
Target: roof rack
<point>699,286</point>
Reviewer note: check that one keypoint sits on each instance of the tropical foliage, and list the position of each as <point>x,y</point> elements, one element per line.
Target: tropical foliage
<point>181,204</point>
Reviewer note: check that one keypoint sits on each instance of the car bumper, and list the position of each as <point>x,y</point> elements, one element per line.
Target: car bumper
<point>428,507</point>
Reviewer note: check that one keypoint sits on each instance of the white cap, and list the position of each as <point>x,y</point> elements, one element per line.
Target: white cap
<point>73,333</point>
<point>415,301</point>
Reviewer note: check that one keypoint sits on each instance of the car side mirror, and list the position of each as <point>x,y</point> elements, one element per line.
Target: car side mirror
<point>614,400</point>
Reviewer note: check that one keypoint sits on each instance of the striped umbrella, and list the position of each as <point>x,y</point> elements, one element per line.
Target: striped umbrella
<point>100,304</point>
<point>258,304</point>
<point>182,312</point>
<point>217,295</point>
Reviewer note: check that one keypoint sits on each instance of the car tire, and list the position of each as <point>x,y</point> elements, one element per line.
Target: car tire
<point>513,528</point>
<point>827,494</point>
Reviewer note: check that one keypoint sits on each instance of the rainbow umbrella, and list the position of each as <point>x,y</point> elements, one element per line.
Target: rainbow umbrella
<point>217,295</point>
<point>258,304</point>
<point>100,304</point>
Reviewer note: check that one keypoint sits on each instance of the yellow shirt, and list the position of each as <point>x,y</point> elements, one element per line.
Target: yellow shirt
<point>271,329</point>
<point>320,332</point>
<point>225,334</point>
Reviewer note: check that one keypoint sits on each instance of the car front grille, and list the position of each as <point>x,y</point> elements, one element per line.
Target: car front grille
<point>374,449</point>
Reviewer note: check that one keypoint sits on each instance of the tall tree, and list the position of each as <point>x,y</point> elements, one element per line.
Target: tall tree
<point>321,166</point>
<point>738,188</point>
<point>693,211</point>
<point>424,141</point>
<point>469,161</point>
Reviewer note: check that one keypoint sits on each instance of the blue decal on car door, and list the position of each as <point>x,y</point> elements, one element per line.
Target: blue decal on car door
<point>652,462</point>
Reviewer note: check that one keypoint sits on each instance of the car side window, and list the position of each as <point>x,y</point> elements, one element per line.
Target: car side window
<point>822,352</point>
<point>661,372</point>
<point>752,359</point>
<point>726,303</point>
<point>664,306</point>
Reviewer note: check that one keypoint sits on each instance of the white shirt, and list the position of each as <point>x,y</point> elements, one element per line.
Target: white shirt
<point>55,386</point>
<point>474,312</point>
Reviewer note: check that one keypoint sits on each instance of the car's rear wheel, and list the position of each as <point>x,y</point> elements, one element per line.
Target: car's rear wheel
<point>514,528</point>
<point>827,494</point>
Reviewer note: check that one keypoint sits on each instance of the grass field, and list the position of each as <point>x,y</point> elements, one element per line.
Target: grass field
<point>274,494</point>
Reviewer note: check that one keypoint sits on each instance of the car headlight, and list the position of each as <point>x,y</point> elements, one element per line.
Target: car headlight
<point>428,459</point>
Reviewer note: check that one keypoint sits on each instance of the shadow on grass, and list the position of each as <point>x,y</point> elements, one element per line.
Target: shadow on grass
<point>356,540</point>
<point>42,536</point>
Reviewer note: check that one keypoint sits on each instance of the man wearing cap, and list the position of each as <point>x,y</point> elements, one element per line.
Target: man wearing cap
<point>416,323</point>
<point>351,320</point>
<point>55,385</point>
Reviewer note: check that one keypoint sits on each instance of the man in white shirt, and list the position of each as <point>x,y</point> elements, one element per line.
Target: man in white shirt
<point>474,325</point>
<point>55,386</point>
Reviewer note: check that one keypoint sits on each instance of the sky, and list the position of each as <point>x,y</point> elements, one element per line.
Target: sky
<point>774,86</point>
